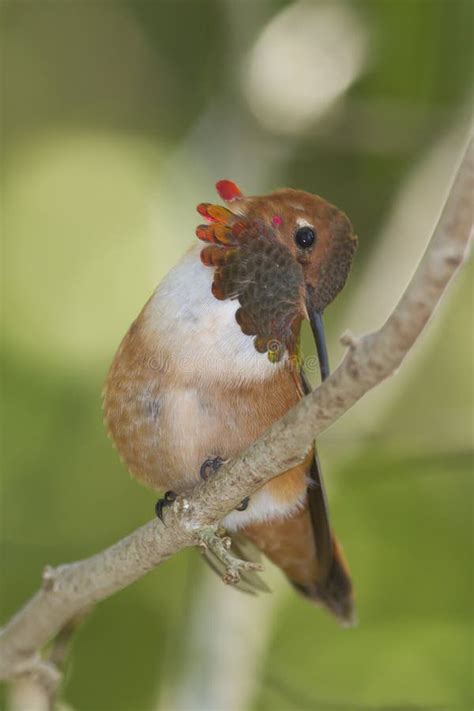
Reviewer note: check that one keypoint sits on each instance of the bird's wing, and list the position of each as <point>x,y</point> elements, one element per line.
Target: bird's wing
<point>251,265</point>
<point>319,509</point>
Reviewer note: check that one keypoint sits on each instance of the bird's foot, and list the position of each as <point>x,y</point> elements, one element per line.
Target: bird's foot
<point>209,467</point>
<point>211,539</point>
<point>167,500</point>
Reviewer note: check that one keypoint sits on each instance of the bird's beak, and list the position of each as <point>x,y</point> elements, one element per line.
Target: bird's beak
<point>317,326</point>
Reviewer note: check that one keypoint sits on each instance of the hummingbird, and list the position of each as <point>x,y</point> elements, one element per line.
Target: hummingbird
<point>213,359</point>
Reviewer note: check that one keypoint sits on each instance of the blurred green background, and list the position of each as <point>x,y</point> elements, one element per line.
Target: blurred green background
<point>117,118</point>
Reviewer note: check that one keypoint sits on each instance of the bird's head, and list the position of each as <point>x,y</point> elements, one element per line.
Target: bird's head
<point>285,256</point>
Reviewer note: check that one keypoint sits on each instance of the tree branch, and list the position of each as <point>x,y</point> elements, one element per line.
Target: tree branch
<point>70,589</point>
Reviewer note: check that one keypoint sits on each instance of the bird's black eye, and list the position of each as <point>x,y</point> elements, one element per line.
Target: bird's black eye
<point>305,237</point>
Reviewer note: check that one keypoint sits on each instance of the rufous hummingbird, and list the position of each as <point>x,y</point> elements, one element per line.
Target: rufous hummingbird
<point>212,361</point>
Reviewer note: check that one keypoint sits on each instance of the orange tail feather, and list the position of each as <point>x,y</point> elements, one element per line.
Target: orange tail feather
<point>289,544</point>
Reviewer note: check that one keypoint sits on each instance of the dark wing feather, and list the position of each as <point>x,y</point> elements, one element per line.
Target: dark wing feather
<point>319,510</point>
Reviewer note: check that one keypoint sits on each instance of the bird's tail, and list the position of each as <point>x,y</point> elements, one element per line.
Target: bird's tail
<point>290,544</point>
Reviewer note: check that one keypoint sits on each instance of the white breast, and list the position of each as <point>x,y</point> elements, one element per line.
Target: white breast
<point>200,331</point>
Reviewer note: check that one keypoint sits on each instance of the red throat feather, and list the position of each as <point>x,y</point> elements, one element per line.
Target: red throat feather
<point>228,190</point>
<point>253,266</point>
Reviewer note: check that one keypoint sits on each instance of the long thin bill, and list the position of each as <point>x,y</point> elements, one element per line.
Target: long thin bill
<point>317,326</point>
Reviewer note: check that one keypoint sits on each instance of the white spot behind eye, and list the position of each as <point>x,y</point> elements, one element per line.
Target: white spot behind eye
<point>301,222</point>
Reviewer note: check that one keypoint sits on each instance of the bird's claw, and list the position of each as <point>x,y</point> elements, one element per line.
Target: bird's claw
<point>243,504</point>
<point>210,466</point>
<point>167,500</point>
